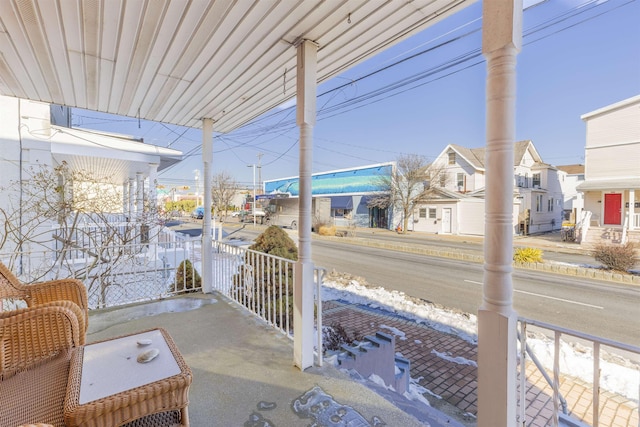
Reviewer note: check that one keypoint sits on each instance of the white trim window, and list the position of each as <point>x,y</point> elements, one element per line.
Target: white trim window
<point>536,180</point>
<point>538,202</point>
<point>460,181</point>
<point>432,213</point>
<point>452,157</point>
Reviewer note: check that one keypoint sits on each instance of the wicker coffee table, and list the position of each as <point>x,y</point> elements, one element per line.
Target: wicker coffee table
<point>109,387</point>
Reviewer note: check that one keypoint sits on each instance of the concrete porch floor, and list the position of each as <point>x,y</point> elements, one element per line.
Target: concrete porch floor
<point>243,373</point>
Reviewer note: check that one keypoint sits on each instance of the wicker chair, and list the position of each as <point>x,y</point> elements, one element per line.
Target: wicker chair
<point>36,344</point>
<point>40,293</point>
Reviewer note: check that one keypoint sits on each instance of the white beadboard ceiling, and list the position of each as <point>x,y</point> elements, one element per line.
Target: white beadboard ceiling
<point>178,61</point>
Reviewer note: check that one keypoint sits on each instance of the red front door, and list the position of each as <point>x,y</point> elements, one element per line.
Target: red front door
<point>613,209</point>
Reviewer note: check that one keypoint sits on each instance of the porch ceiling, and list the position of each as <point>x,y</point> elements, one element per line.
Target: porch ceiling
<point>178,61</point>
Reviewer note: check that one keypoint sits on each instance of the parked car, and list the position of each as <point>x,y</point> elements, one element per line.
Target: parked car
<point>198,213</point>
<point>247,216</point>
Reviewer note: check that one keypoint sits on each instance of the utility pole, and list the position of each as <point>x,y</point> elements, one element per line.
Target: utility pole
<point>260,169</point>
<point>253,206</point>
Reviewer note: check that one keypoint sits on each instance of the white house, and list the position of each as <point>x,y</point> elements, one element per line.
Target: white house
<point>612,168</point>
<point>572,177</point>
<point>35,134</point>
<point>457,206</point>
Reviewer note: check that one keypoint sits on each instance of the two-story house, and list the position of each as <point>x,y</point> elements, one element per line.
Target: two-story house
<point>456,202</point>
<point>612,172</point>
<point>569,181</point>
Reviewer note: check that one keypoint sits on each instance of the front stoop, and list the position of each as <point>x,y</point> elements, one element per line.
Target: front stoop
<point>608,235</point>
<point>377,355</point>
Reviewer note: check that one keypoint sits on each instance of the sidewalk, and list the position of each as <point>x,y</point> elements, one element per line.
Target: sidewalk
<point>454,383</point>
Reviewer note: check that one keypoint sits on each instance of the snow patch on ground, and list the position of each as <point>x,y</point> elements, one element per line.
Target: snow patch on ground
<point>353,291</point>
<point>458,360</point>
<point>395,331</point>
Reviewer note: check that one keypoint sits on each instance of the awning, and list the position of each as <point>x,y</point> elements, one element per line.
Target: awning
<point>342,202</point>
<point>609,184</point>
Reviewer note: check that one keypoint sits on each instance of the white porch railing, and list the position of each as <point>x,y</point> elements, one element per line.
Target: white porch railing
<point>263,284</point>
<point>116,274</point>
<point>122,274</point>
<point>562,408</point>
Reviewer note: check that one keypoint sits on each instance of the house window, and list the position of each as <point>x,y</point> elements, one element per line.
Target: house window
<point>423,213</point>
<point>432,213</point>
<point>452,158</point>
<point>443,179</point>
<point>550,205</point>
<point>536,179</point>
<point>539,203</point>
<point>526,180</point>
<point>460,181</point>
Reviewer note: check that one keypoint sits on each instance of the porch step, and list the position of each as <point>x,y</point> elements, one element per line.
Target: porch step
<point>375,354</point>
<point>608,235</point>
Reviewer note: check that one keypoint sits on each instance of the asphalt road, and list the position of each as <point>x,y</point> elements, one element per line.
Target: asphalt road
<point>593,307</point>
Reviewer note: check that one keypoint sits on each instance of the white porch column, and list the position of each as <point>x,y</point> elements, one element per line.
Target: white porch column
<point>125,198</point>
<point>303,287</point>
<point>154,230</point>
<point>501,41</point>
<point>207,160</point>
<point>153,183</point>
<point>131,199</point>
<point>139,194</point>
<point>631,211</point>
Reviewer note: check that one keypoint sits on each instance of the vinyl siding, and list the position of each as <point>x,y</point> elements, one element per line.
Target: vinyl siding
<point>610,162</point>
<point>619,126</point>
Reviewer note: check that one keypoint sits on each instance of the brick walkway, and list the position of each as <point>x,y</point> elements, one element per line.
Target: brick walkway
<point>456,383</point>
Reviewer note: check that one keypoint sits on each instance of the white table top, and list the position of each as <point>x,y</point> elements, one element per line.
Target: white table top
<point>111,367</point>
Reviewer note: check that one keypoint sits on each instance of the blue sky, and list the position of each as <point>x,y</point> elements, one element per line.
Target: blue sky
<point>578,56</point>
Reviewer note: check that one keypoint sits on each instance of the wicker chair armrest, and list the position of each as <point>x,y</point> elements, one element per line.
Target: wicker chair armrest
<point>57,290</point>
<point>32,335</point>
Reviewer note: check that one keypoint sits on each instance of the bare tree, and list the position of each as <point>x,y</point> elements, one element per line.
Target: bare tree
<point>411,182</point>
<point>61,216</point>
<point>223,190</point>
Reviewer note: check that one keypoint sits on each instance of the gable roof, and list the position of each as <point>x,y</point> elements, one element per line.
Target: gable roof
<point>475,156</point>
<point>572,169</point>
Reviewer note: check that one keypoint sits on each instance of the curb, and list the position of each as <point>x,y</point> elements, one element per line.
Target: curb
<point>567,270</point>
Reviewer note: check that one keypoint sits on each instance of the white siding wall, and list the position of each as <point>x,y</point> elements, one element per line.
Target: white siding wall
<point>613,161</point>
<point>613,143</point>
<point>471,214</point>
<point>614,127</point>
<point>23,124</point>
<point>593,203</point>
<point>428,225</point>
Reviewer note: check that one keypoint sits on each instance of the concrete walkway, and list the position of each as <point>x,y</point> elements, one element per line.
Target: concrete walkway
<point>243,373</point>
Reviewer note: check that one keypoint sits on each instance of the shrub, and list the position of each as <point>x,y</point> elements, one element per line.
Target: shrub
<point>275,241</point>
<point>335,335</point>
<point>616,257</point>
<point>527,255</point>
<point>187,277</point>
<point>327,230</point>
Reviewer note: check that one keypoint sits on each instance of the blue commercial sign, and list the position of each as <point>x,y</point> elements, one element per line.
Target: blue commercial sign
<point>351,181</point>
